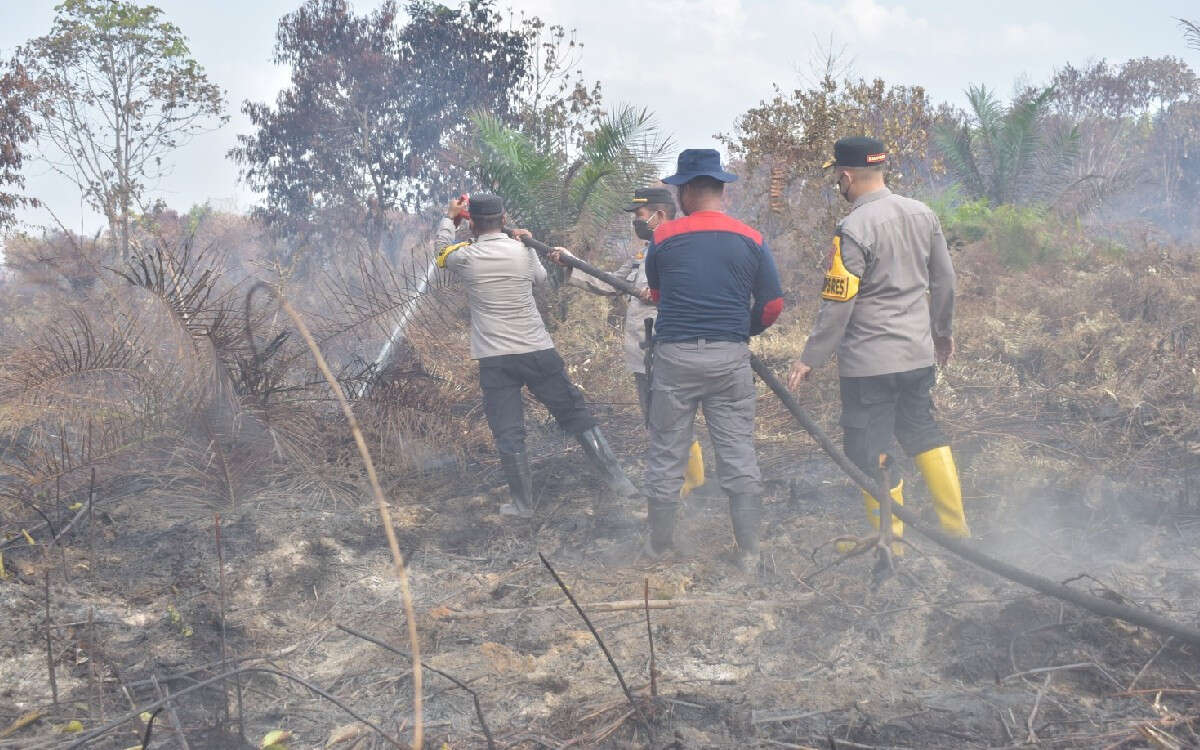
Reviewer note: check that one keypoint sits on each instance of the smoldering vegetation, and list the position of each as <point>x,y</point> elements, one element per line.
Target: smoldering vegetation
<point>168,359</point>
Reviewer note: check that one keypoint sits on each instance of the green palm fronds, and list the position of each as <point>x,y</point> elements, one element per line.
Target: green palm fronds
<point>566,201</point>
<point>1007,154</point>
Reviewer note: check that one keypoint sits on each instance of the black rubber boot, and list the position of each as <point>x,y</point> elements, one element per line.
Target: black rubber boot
<point>746,514</point>
<point>610,518</point>
<point>598,450</point>
<point>662,529</point>
<point>520,485</point>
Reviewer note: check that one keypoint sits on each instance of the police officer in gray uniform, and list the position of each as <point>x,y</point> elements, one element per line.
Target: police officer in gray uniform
<point>651,207</point>
<point>887,307</point>
<point>509,339</point>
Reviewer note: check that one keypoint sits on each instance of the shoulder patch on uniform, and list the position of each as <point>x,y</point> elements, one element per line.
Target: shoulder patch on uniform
<point>840,284</point>
<point>445,253</point>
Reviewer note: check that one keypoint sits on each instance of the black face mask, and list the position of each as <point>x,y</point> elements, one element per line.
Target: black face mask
<point>642,229</point>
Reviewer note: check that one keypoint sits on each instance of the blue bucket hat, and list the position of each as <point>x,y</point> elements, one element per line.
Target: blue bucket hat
<point>698,162</point>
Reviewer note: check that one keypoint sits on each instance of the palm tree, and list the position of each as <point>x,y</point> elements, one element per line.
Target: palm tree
<point>1007,153</point>
<point>1191,32</point>
<point>564,200</point>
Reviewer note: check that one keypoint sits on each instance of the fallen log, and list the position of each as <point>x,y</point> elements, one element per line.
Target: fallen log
<point>620,605</point>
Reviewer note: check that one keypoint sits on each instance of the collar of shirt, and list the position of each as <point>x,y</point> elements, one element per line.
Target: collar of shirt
<point>492,236</point>
<point>872,196</point>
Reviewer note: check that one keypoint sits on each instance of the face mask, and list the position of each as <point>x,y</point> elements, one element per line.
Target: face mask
<point>643,229</point>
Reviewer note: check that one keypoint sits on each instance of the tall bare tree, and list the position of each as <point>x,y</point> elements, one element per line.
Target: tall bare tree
<point>118,91</point>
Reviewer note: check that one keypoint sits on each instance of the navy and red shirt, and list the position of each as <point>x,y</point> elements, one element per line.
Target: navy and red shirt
<point>713,279</point>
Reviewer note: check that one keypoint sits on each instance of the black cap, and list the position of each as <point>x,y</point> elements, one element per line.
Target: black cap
<point>485,205</point>
<point>698,162</point>
<point>646,196</point>
<point>857,151</point>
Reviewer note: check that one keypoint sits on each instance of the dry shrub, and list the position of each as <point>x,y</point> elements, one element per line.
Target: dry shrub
<point>164,367</point>
<point>1092,369</point>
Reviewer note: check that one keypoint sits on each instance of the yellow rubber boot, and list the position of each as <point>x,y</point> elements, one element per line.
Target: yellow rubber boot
<point>941,476</point>
<point>693,476</point>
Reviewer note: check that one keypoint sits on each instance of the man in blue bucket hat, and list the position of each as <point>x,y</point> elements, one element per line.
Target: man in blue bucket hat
<point>716,285</point>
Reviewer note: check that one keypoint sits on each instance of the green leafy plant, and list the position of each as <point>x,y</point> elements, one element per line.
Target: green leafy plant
<point>1018,235</point>
<point>569,201</point>
<point>1007,153</point>
<point>963,220</point>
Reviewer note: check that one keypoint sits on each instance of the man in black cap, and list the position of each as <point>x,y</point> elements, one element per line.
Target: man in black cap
<point>650,208</point>
<point>716,285</point>
<point>509,339</point>
<point>887,307</point>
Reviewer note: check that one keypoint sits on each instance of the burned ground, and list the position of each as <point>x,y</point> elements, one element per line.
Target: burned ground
<point>942,655</point>
<point>1072,409</point>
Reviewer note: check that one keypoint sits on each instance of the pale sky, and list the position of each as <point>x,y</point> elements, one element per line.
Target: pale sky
<point>697,63</point>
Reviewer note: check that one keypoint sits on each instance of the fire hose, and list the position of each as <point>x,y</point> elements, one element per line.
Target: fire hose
<point>1041,584</point>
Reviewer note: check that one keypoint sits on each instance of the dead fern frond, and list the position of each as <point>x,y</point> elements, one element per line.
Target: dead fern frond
<point>47,453</point>
<point>187,281</point>
<point>384,298</point>
<point>77,348</point>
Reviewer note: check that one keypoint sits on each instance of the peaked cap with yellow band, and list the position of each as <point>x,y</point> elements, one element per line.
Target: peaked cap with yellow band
<point>857,151</point>
<point>647,196</point>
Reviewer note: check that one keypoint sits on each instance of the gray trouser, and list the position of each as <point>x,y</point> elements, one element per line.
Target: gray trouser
<point>717,376</point>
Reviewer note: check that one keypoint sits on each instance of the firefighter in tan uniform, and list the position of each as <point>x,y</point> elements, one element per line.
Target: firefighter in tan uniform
<point>886,310</point>
<point>510,342</point>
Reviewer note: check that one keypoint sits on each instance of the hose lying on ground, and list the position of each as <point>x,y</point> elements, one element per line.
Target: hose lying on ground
<point>1041,584</point>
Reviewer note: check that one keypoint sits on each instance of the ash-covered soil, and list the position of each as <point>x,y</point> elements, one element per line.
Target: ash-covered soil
<point>940,655</point>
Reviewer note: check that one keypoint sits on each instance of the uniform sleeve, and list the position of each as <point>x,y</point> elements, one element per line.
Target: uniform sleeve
<point>596,286</point>
<point>833,315</point>
<point>768,294</point>
<point>652,272</point>
<point>941,284</point>
<point>447,234</point>
<point>536,268</point>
